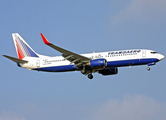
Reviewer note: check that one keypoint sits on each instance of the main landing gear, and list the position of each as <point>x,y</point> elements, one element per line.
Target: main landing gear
<point>85,72</point>
<point>90,76</point>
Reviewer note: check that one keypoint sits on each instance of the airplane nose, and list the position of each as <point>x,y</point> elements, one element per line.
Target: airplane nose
<point>160,57</point>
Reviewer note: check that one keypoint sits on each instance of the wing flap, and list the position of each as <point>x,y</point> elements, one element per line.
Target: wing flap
<point>15,59</point>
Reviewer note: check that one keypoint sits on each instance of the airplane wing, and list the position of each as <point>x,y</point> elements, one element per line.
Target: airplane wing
<point>77,59</point>
<point>15,59</point>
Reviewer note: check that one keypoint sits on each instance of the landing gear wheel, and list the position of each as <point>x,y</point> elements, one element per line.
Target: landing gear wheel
<point>90,76</point>
<point>148,68</point>
<point>83,71</point>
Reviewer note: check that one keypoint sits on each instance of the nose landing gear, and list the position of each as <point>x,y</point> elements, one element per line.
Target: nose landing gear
<point>148,68</point>
<point>150,64</point>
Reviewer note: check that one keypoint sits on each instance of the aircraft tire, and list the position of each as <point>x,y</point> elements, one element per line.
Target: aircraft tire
<point>148,68</point>
<point>83,71</point>
<point>90,76</point>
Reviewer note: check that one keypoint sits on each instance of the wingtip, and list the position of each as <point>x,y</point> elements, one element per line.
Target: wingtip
<point>45,40</point>
<point>4,55</point>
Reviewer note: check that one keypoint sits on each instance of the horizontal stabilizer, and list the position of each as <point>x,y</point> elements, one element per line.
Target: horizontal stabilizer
<point>15,59</point>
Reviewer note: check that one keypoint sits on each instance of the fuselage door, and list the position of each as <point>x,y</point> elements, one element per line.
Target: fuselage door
<point>143,53</point>
<point>38,63</point>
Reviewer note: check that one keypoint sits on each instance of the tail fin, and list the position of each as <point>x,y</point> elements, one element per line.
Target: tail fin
<point>22,48</point>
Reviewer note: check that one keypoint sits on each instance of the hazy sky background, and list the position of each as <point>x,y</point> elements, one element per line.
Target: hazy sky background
<point>83,26</point>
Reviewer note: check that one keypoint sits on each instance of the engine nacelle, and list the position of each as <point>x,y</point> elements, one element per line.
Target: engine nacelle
<point>98,63</point>
<point>109,71</point>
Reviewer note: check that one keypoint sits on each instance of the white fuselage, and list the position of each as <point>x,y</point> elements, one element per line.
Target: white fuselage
<point>114,59</point>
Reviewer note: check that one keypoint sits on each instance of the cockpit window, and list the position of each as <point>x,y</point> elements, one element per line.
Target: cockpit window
<point>153,52</point>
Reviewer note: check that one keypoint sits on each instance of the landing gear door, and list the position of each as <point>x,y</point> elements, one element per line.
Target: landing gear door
<point>38,63</point>
<point>143,53</point>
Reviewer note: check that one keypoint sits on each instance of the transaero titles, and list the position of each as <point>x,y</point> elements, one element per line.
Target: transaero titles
<point>124,52</point>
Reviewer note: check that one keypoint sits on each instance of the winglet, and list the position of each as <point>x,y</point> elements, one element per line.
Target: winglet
<point>45,40</point>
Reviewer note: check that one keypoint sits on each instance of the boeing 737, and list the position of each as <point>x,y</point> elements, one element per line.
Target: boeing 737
<point>105,63</point>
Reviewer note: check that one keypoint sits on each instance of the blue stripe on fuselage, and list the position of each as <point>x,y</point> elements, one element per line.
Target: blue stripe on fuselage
<point>64,68</point>
<point>110,64</point>
<point>122,63</point>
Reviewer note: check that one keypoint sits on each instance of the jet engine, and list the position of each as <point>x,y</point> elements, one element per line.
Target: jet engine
<point>97,63</point>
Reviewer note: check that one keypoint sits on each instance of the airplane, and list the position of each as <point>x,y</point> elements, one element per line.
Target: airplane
<point>105,63</point>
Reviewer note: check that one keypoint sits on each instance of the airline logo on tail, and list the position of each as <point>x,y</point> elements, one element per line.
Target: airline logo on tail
<point>22,48</point>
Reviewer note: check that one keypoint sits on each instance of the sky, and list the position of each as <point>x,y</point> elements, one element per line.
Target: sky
<point>83,26</point>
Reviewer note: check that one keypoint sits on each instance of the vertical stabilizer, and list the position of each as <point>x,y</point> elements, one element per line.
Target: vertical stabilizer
<point>22,48</point>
